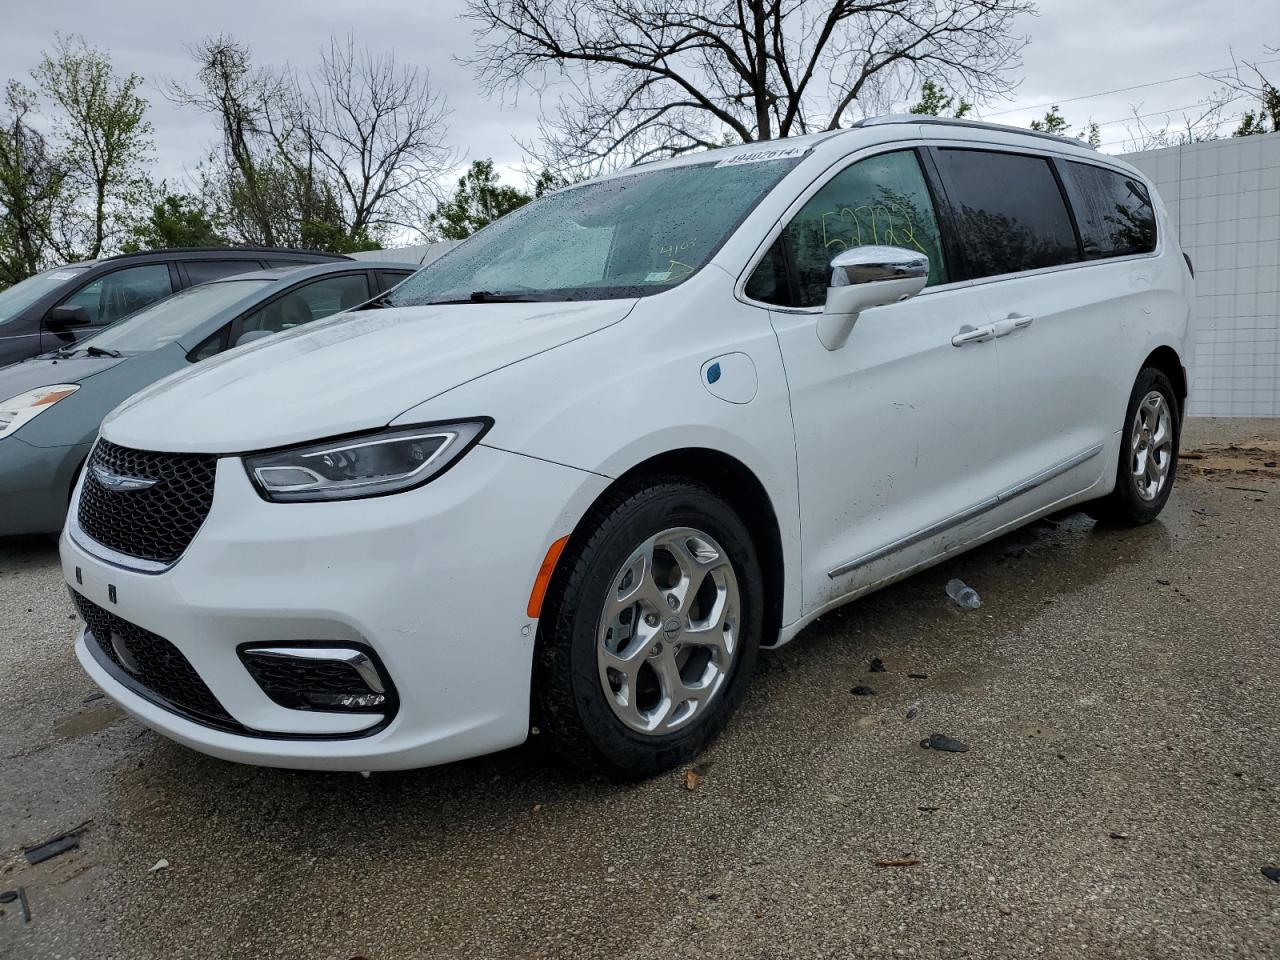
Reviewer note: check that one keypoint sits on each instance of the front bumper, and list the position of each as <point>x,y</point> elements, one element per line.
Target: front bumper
<point>35,485</point>
<point>436,581</point>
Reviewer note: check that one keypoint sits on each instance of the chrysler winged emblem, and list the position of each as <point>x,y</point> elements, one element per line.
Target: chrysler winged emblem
<point>118,483</point>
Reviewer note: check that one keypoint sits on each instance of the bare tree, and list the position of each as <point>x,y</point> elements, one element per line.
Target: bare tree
<point>105,137</point>
<point>1195,125</point>
<point>648,78</point>
<point>31,187</point>
<point>249,102</point>
<point>378,130</point>
<point>336,158</point>
<point>1246,80</point>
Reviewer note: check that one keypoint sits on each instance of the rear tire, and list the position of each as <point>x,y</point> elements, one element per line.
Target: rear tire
<point>1148,454</point>
<point>650,630</point>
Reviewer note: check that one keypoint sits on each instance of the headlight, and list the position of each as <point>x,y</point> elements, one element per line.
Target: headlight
<point>16,411</point>
<point>367,466</point>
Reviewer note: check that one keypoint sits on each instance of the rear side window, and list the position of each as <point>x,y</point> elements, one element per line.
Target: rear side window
<point>308,302</point>
<point>881,200</point>
<point>1113,210</point>
<point>1009,211</point>
<point>202,271</point>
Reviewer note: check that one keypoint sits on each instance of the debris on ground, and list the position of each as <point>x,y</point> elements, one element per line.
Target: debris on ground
<point>55,846</point>
<point>93,696</point>
<point>963,595</point>
<point>159,865</point>
<point>897,862</point>
<point>1115,835</point>
<point>862,691</point>
<point>1271,873</point>
<point>877,665</point>
<point>940,741</point>
<point>692,780</point>
<point>8,896</point>
<point>928,809</point>
<point>917,676</point>
<point>913,711</point>
<point>1256,458</point>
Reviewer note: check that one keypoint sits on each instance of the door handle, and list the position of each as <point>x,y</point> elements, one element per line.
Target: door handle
<point>1015,321</point>
<point>972,334</point>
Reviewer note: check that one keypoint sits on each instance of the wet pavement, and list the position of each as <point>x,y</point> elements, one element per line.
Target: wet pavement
<point>1118,691</point>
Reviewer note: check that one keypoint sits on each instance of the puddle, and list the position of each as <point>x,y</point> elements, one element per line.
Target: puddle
<point>86,721</point>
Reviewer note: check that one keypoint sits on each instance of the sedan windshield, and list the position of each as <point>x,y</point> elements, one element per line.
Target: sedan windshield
<point>627,236</point>
<point>15,299</point>
<point>170,319</point>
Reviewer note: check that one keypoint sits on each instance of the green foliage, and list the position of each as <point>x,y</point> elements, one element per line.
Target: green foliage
<point>104,141</point>
<point>334,238</point>
<point>1266,119</point>
<point>176,220</point>
<point>1053,122</point>
<point>936,102</point>
<point>480,199</point>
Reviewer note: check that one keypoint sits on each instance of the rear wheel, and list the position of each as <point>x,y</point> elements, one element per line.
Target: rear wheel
<point>1148,454</point>
<point>651,630</point>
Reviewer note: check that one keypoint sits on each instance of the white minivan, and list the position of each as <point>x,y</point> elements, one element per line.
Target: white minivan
<point>575,473</point>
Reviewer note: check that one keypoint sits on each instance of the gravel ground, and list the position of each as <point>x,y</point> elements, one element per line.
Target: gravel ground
<point>1118,689</point>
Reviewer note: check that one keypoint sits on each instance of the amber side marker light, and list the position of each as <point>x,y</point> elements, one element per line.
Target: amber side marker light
<point>544,577</point>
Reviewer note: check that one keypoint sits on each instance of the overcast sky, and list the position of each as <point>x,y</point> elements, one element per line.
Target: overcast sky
<point>1078,48</point>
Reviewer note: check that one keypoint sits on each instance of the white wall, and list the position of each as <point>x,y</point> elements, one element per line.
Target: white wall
<point>1224,197</point>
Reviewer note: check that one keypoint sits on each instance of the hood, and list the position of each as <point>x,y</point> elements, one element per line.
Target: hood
<point>349,372</point>
<point>45,371</point>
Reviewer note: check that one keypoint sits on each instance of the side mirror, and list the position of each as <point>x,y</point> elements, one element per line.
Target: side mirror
<point>67,317</point>
<point>864,277</point>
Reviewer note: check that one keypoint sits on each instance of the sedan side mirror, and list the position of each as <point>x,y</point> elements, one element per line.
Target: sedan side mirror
<point>864,277</point>
<point>67,317</point>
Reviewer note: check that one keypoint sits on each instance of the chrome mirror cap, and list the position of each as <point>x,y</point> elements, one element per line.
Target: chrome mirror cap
<point>864,277</point>
<point>876,264</point>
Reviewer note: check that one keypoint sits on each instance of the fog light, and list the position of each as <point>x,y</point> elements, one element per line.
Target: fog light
<point>342,679</point>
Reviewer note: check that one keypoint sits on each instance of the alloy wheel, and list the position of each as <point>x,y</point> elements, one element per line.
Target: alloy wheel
<point>668,633</point>
<point>1151,444</point>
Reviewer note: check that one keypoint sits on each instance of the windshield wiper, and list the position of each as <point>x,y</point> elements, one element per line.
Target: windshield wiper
<point>91,350</point>
<point>486,296</point>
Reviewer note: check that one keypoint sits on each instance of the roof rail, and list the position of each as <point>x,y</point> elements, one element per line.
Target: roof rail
<point>889,118</point>
<point>229,249</point>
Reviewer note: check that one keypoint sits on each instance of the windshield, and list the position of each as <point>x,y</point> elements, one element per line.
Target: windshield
<point>628,236</point>
<point>171,318</point>
<point>15,299</point>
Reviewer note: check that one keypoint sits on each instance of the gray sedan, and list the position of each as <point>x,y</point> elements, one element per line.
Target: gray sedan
<point>51,406</point>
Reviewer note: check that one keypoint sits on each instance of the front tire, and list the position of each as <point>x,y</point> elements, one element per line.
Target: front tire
<point>650,631</point>
<point>1148,454</point>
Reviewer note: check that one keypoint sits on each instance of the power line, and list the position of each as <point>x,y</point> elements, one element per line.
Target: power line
<point>1107,93</point>
<point>1165,112</point>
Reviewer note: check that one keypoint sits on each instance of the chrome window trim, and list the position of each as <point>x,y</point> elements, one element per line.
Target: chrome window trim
<point>838,166</point>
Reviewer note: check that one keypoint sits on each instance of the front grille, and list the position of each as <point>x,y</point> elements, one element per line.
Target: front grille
<point>152,667</point>
<point>157,523</point>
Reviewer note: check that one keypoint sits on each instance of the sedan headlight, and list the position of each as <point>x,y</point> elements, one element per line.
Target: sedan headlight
<point>366,466</point>
<point>18,410</point>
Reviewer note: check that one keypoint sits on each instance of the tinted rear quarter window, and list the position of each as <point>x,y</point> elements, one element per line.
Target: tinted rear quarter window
<point>1113,210</point>
<point>202,271</point>
<point>1009,211</point>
